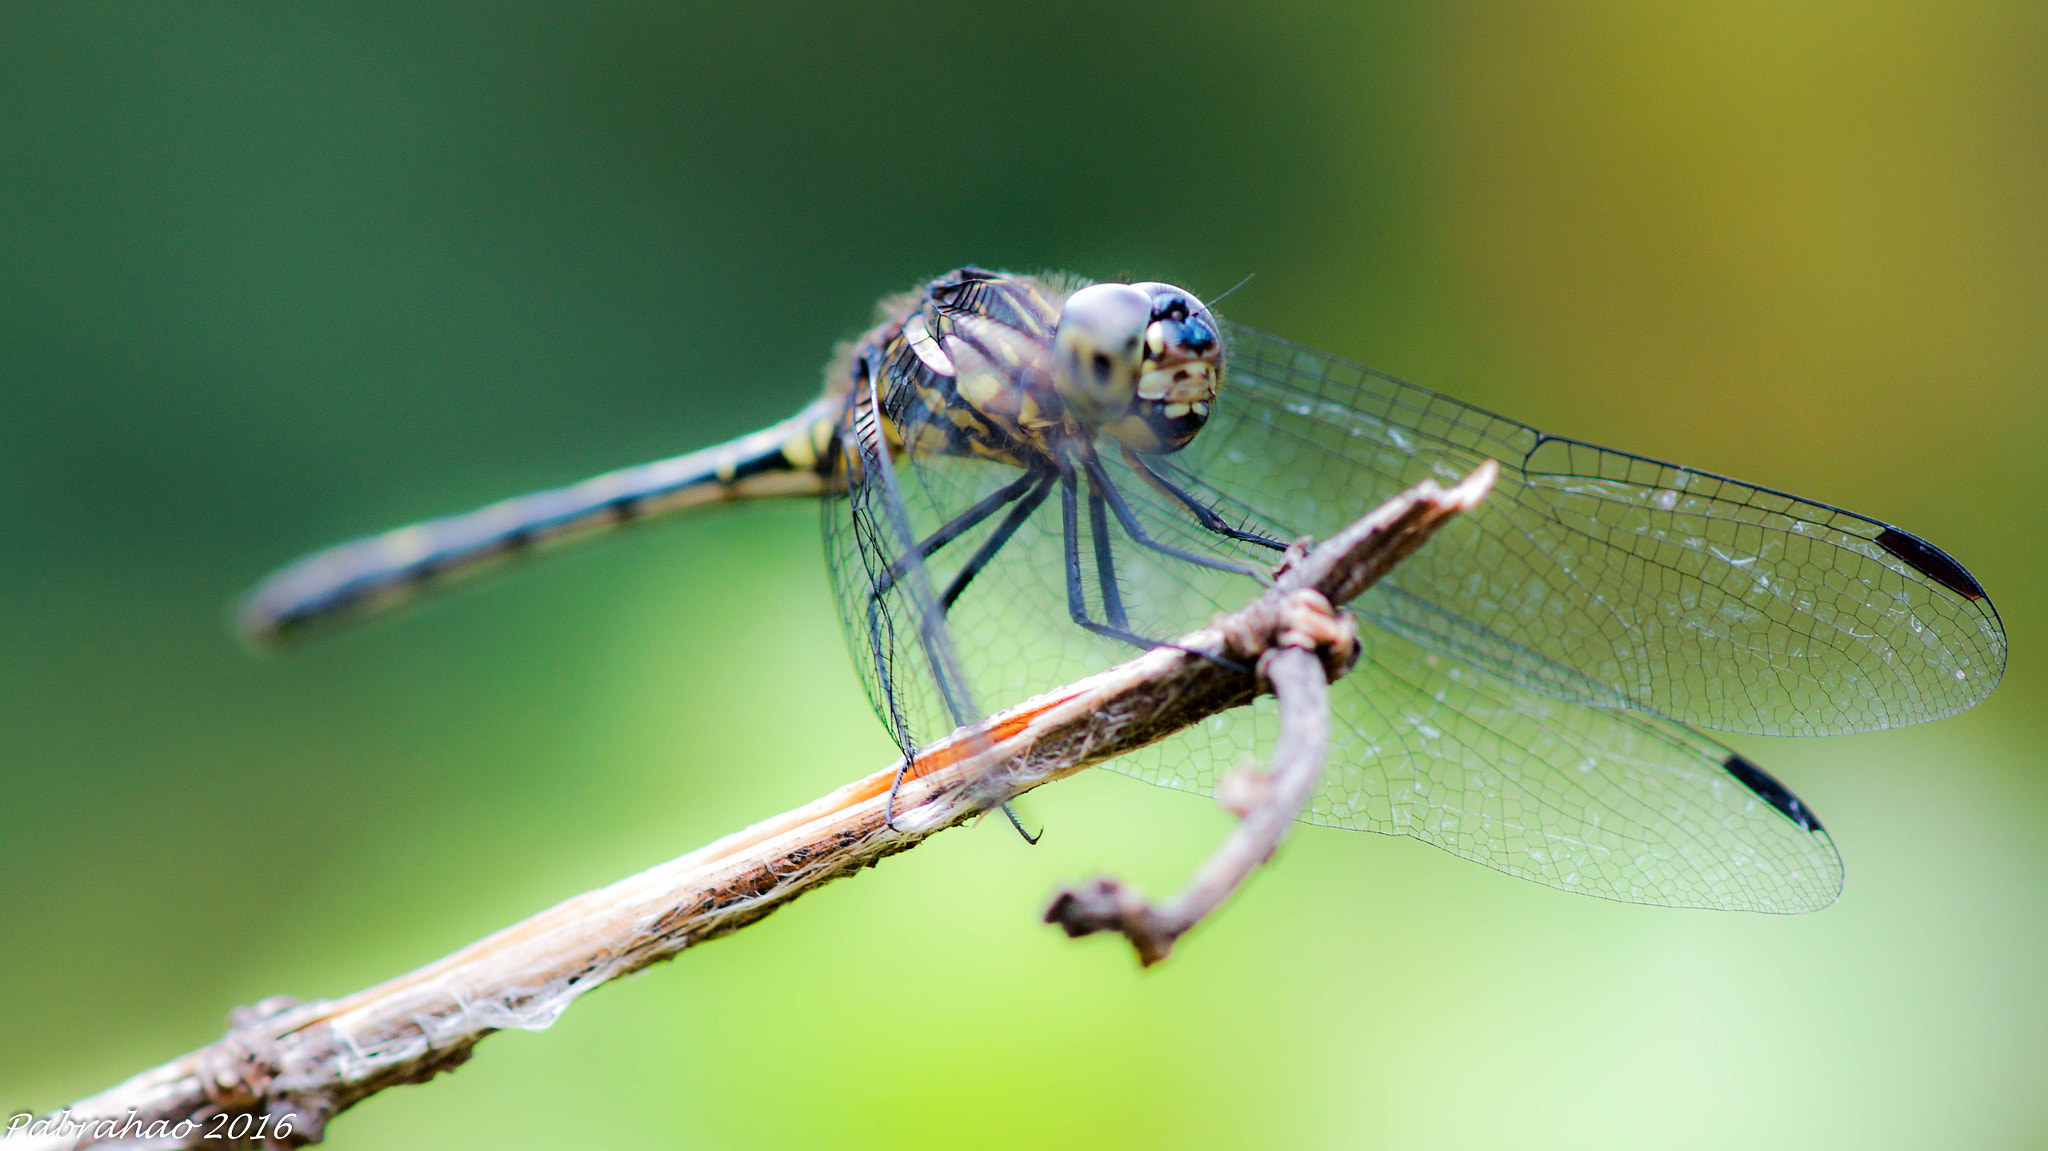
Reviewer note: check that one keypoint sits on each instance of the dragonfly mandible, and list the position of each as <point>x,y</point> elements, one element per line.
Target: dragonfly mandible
<point>1027,478</point>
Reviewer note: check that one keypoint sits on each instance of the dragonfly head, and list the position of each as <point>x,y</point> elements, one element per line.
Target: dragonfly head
<point>1141,362</point>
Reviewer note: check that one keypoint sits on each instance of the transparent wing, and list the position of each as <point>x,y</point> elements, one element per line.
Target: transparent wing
<point>1601,577</point>
<point>1605,802</point>
<point>899,641</point>
<point>1009,627</point>
<point>1608,803</point>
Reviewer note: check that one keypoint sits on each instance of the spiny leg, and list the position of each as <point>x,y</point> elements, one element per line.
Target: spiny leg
<point>954,529</point>
<point>1203,513</point>
<point>1035,484</point>
<point>951,531</point>
<point>1043,479</point>
<point>1077,600</point>
<point>880,469</point>
<point>998,538</point>
<point>1105,561</point>
<point>1098,480</point>
<point>1017,825</point>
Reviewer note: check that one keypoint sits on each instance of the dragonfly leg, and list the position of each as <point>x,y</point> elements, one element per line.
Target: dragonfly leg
<point>1077,600</point>
<point>1038,481</point>
<point>1098,481</point>
<point>1105,560</point>
<point>1017,823</point>
<point>1001,536</point>
<point>891,520</point>
<point>880,632</point>
<point>953,529</point>
<point>1203,513</point>
<point>1034,487</point>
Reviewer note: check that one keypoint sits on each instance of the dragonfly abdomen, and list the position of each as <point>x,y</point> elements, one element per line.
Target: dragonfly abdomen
<point>375,572</point>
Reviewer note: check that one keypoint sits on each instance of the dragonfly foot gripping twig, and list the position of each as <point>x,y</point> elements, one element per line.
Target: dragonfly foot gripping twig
<point>297,1065</point>
<point>1314,645</point>
<point>1309,647</point>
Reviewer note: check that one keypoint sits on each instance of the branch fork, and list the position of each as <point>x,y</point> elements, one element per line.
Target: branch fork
<point>1307,645</point>
<point>307,1062</point>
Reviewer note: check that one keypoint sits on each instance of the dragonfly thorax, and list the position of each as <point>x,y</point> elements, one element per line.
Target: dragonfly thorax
<point>1028,372</point>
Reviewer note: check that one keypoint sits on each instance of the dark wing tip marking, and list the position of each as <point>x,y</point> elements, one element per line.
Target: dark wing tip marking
<point>1768,789</point>
<point>1931,562</point>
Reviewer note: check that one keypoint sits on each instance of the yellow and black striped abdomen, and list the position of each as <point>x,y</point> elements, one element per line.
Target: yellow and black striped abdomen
<point>963,374</point>
<point>374,572</point>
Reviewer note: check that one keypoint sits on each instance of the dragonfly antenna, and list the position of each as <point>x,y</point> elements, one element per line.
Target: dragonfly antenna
<point>1234,287</point>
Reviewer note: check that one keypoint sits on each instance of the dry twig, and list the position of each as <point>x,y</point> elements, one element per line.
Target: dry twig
<point>291,1066</point>
<point>1267,804</point>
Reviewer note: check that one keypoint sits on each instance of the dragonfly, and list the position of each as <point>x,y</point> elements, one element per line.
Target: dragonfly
<point>1026,478</point>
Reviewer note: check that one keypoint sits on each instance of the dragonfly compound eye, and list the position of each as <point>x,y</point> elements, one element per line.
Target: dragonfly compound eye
<point>1098,346</point>
<point>1178,374</point>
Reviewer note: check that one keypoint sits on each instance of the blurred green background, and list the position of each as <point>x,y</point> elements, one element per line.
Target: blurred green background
<point>272,276</point>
